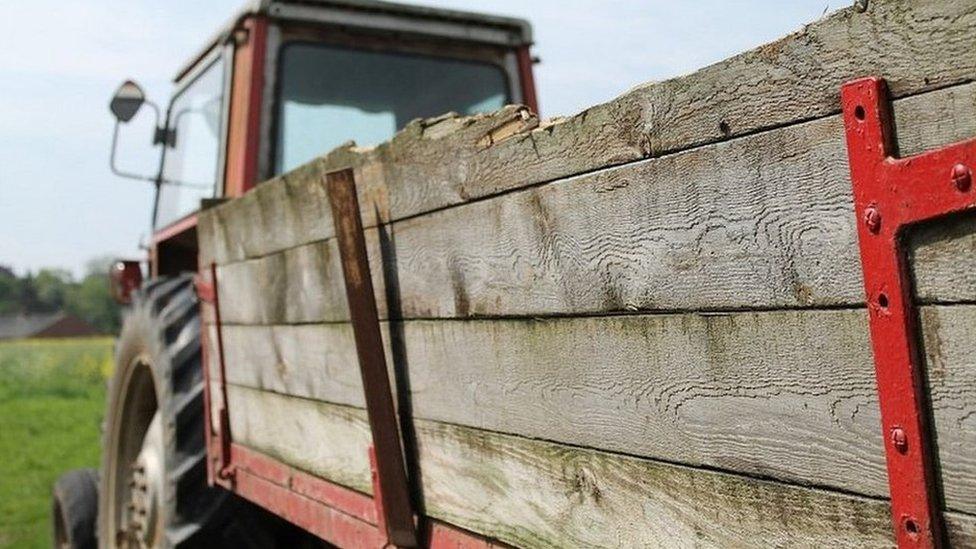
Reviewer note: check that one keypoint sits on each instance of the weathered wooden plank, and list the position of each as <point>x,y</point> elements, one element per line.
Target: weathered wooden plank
<point>302,284</point>
<point>943,258</point>
<point>950,356</point>
<point>782,394</point>
<point>788,395</point>
<point>329,440</point>
<point>764,221</point>
<point>432,164</point>
<point>961,529</point>
<point>536,494</point>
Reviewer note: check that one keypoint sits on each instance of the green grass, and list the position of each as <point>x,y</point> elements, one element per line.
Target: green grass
<point>52,395</point>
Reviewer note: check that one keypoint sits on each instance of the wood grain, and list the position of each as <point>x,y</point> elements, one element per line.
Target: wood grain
<point>536,494</point>
<point>918,46</point>
<point>789,395</point>
<point>950,358</point>
<point>765,221</point>
<point>943,258</point>
<point>328,440</point>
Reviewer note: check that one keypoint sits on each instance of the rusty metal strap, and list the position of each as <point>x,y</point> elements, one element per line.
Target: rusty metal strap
<point>393,493</point>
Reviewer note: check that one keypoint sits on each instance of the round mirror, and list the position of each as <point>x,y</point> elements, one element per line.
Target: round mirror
<point>127,100</point>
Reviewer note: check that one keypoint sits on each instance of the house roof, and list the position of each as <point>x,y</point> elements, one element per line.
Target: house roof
<point>27,325</point>
<point>23,325</point>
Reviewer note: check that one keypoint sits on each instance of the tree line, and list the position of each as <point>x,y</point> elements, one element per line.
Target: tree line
<point>53,290</point>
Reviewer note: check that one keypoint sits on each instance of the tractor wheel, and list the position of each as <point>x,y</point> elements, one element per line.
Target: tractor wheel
<point>74,509</point>
<point>154,489</point>
<point>153,484</point>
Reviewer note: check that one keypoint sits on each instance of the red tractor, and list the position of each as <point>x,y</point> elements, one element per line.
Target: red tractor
<point>281,83</point>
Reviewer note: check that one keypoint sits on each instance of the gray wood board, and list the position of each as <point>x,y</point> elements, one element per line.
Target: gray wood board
<point>765,221</point>
<point>943,259</point>
<point>918,46</point>
<point>782,394</point>
<point>950,360</point>
<point>535,494</point>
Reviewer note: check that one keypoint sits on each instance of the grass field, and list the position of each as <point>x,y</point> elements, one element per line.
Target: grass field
<point>52,395</point>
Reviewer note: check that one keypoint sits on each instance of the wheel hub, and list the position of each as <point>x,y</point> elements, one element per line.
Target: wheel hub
<point>141,515</point>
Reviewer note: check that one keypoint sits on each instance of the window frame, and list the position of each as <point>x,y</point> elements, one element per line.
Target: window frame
<point>220,53</point>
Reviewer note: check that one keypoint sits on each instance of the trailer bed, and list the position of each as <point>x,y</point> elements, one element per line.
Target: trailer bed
<point>644,325</point>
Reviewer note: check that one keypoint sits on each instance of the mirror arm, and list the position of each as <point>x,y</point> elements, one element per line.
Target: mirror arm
<point>115,141</point>
<point>111,160</point>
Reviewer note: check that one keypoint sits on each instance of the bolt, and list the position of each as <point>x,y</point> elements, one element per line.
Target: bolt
<point>899,439</point>
<point>962,177</point>
<point>872,219</point>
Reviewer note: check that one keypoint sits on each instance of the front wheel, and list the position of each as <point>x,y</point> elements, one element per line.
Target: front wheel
<point>73,510</point>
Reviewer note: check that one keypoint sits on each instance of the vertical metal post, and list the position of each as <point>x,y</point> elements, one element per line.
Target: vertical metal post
<point>393,494</point>
<point>207,292</point>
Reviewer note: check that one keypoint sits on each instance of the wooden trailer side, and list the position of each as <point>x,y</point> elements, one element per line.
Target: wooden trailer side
<point>641,325</point>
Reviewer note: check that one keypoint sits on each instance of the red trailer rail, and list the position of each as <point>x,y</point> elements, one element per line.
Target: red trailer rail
<point>891,195</point>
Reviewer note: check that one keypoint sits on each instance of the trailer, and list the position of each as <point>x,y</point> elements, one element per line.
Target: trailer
<point>730,309</point>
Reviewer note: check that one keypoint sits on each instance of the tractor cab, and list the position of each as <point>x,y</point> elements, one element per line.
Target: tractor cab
<point>286,81</point>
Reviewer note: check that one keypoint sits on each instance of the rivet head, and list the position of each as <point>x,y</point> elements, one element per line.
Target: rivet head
<point>962,177</point>
<point>899,439</point>
<point>872,219</point>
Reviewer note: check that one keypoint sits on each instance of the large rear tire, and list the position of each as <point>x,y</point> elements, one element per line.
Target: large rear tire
<point>153,484</point>
<point>153,481</point>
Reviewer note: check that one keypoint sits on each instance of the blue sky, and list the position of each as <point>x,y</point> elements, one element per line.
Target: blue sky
<point>61,61</point>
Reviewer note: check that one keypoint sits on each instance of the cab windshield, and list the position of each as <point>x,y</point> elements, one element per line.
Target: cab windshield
<point>329,95</point>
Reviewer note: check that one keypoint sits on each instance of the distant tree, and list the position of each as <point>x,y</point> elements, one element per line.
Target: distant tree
<point>27,295</point>
<point>9,293</point>
<point>91,300</point>
<point>50,287</point>
<point>53,290</point>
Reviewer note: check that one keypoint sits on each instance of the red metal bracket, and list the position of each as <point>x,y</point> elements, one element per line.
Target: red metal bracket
<point>338,515</point>
<point>218,447</point>
<point>891,194</point>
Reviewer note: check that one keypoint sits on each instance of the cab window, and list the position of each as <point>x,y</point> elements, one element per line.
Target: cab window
<point>329,95</point>
<point>191,164</point>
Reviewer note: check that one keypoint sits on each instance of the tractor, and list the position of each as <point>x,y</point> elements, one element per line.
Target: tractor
<point>281,83</point>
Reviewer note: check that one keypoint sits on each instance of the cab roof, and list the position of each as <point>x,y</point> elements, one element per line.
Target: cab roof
<point>379,15</point>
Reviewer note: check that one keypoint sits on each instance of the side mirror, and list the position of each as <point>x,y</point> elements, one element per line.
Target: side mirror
<point>127,101</point>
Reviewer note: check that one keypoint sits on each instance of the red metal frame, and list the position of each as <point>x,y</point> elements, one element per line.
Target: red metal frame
<point>124,278</point>
<point>219,468</point>
<point>244,128</point>
<point>334,513</point>
<point>175,228</point>
<point>890,195</point>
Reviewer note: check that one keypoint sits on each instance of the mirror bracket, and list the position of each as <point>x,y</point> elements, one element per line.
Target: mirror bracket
<point>165,136</point>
